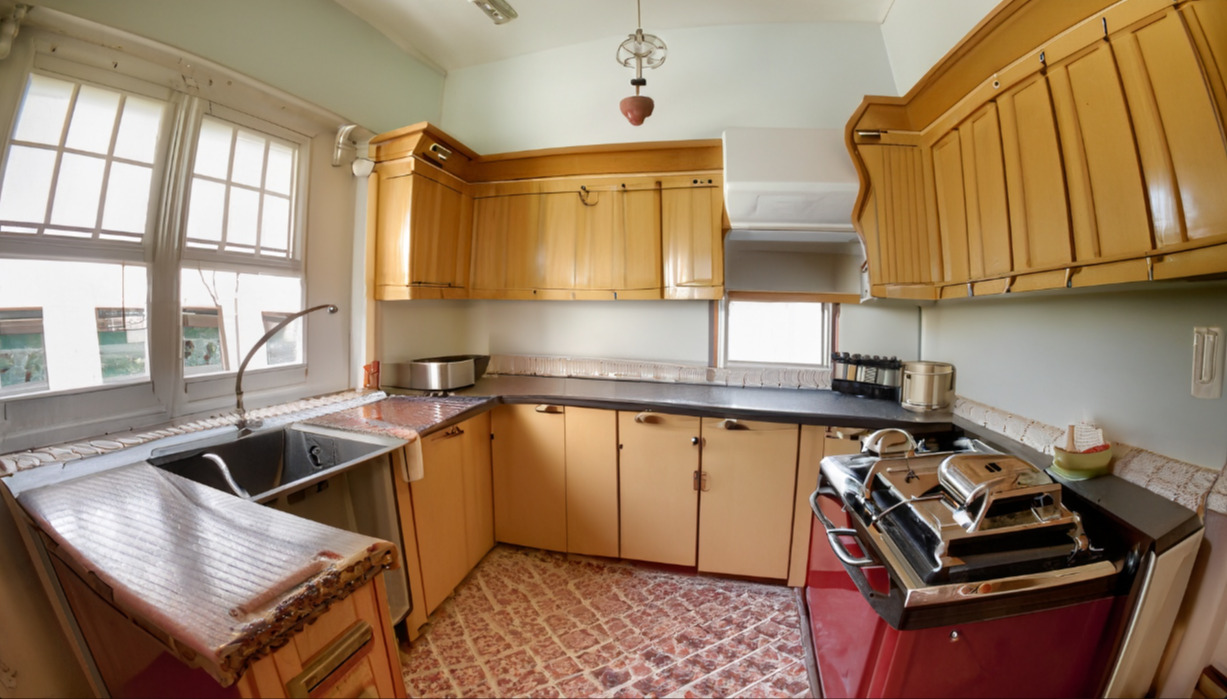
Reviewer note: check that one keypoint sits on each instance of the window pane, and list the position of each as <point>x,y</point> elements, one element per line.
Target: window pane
<point>280,176</point>
<point>243,217</point>
<point>248,159</point>
<point>282,347</point>
<point>213,149</point>
<point>204,214</point>
<point>43,110</point>
<point>139,129</point>
<point>772,332</point>
<point>26,184</point>
<point>127,198</point>
<point>275,225</point>
<point>243,303</point>
<point>71,355</point>
<point>93,120</point>
<point>78,191</point>
<point>23,358</point>
<point>121,342</point>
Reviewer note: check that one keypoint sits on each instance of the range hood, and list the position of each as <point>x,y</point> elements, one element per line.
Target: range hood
<point>789,184</point>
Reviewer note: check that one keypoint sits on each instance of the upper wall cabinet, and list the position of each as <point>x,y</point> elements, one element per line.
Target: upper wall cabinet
<point>422,216</point>
<point>1059,145</point>
<point>629,221</point>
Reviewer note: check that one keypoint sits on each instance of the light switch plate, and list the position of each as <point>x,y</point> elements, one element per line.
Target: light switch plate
<point>1207,362</point>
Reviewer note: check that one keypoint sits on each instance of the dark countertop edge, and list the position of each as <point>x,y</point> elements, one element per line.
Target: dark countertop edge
<point>1165,522</point>
<point>655,396</point>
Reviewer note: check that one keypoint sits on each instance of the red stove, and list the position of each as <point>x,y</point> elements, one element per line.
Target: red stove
<point>956,573</point>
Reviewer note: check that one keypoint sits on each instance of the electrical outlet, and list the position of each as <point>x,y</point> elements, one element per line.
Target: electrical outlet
<point>1207,362</point>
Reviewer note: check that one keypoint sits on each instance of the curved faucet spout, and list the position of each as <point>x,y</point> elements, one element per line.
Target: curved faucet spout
<point>243,423</point>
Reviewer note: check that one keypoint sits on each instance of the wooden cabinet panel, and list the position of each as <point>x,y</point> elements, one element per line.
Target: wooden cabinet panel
<point>563,219</point>
<point>1182,149</point>
<point>478,489</point>
<point>422,234</point>
<point>988,225</point>
<point>1107,197</point>
<point>951,208</point>
<point>439,517</point>
<point>658,468</point>
<point>692,238</point>
<point>1038,206</point>
<point>902,250</point>
<point>592,481</point>
<point>529,463</point>
<point>748,486</point>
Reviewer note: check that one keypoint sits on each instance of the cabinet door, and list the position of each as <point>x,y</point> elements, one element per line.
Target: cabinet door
<point>1182,147</point>
<point>439,518</point>
<point>1035,178</point>
<point>505,244</point>
<point>618,245</point>
<point>478,489</point>
<point>529,460</point>
<point>563,218</point>
<point>951,200</point>
<point>422,242</point>
<point>658,479</point>
<point>988,225</point>
<point>894,219</point>
<point>692,238</point>
<point>1106,190</point>
<point>746,505</point>
<point>592,481</point>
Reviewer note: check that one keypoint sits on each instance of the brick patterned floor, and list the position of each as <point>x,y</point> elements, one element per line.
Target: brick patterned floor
<point>529,623</point>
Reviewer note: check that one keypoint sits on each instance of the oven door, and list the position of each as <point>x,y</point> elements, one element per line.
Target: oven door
<point>847,632</point>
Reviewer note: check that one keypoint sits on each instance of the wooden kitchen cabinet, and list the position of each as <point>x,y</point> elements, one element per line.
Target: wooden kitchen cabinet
<point>692,236</point>
<point>451,507</point>
<point>1057,146</point>
<point>592,481</point>
<point>659,481</point>
<point>529,465</point>
<point>716,494</point>
<point>747,488</point>
<point>422,218</point>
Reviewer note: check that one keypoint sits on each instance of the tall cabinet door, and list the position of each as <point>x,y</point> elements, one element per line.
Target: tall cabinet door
<point>746,506</point>
<point>478,488</point>
<point>529,460</point>
<point>439,517</point>
<point>692,238</point>
<point>592,481</point>
<point>658,477</point>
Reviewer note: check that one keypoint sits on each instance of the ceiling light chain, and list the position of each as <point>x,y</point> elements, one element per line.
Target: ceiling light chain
<point>643,50</point>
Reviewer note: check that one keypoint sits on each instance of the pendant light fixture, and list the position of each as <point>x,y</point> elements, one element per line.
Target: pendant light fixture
<point>640,51</point>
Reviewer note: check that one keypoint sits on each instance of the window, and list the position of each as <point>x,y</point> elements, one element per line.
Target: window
<point>782,330</point>
<point>151,230</point>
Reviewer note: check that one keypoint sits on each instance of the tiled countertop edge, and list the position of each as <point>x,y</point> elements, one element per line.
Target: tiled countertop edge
<point>283,412</point>
<point>1192,486</point>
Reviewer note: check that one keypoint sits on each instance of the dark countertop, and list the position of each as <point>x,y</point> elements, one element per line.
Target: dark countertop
<point>801,406</point>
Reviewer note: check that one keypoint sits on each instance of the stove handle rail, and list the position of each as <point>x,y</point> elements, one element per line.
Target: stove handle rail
<point>852,564</point>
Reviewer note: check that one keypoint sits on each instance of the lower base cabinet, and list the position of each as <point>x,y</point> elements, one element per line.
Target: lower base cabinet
<point>658,480</point>
<point>747,485</point>
<point>451,508</point>
<point>592,482</point>
<point>530,475</point>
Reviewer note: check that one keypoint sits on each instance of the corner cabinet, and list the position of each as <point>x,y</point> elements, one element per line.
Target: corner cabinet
<point>422,215</point>
<point>1059,145</point>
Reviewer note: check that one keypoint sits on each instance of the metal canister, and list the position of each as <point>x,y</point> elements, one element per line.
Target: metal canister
<point>927,386</point>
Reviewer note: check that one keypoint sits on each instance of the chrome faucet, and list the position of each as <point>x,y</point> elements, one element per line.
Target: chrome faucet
<point>245,426</point>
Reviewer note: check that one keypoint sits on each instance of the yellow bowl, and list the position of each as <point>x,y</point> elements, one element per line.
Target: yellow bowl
<point>1076,467</point>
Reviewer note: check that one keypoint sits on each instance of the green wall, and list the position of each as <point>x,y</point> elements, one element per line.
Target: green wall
<point>313,49</point>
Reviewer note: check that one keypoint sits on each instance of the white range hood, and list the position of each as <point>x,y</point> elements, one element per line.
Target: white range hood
<point>789,184</point>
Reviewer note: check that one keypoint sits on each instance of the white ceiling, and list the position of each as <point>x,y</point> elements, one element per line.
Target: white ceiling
<point>452,34</point>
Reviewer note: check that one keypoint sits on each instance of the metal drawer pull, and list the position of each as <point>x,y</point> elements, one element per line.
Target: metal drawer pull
<point>330,659</point>
<point>833,533</point>
<point>453,431</point>
<point>731,424</point>
<point>552,409</point>
<point>647,418</point>
<point>440,151</point>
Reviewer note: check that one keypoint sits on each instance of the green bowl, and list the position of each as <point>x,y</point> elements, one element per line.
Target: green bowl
<point>1076,467</point>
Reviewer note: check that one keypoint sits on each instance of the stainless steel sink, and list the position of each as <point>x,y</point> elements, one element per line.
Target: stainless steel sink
<point>268,463</point>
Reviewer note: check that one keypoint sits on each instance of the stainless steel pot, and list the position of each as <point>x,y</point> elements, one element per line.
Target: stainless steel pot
<point>437,373</point>
<point>927,386</point>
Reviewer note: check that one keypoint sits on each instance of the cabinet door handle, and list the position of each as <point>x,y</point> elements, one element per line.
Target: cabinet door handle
<point>440,152</point>
<point>647,418</point>
<point>552,409</point>
<point>453,431</point>
<point>694,441</point>
<point>731,424</point>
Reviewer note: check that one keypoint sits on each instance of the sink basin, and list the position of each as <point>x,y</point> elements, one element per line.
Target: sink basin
<point>273,462</point>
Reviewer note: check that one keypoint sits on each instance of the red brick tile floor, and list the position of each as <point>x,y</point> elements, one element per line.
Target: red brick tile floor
<point>530,623</point>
